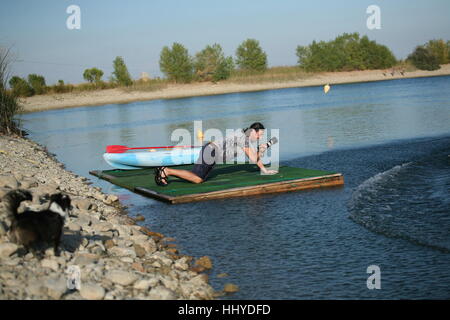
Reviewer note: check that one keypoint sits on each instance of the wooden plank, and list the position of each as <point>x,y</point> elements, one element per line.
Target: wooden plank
<point>284,186</point>
<point>154,194</point>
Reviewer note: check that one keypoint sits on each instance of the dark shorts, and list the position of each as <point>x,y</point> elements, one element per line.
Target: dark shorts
<point>205,162</point>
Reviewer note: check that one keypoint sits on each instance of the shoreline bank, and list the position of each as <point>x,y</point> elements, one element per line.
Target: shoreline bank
<point>175,91</point>
<point>116,258</point>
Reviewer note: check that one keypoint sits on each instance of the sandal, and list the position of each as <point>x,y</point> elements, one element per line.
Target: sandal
<point>161,176</point>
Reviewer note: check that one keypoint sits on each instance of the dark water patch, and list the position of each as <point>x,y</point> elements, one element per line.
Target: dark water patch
<point>409,201</point>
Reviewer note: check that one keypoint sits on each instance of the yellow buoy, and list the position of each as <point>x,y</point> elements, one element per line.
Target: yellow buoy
<point>326,88</point>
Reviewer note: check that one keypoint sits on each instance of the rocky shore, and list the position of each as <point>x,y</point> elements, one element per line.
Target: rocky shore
<point>104,253</point>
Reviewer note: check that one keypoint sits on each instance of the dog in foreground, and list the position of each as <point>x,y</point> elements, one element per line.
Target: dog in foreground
<point>33,229</point>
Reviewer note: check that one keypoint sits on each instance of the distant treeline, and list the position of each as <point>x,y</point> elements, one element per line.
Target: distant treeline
<point>347,52</point>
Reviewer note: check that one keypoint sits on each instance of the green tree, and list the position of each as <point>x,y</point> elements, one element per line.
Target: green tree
<point>37,82</point>
<point>211,65</point>
<point>224,69</point>
<point>439,49</point>
<point>176,63</point>
<point>20,87</point>
<point>448,50</point>
<point>423,59</point>
<point>120,73</point>
<point>250,56</point>
<point>93,75</point>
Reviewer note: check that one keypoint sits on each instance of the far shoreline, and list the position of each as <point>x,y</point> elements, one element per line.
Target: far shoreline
<point>176,91</point>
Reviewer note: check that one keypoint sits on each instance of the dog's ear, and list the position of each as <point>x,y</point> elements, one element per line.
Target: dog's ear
<point>19,195</point>
<point>62,199</point>
<point>56,197</point>
<point>67,201</point>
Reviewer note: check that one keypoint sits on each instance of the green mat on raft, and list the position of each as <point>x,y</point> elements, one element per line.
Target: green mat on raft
<point>222,177</point>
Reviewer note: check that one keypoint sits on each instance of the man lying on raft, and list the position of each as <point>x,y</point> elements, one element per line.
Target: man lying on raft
<point>219,151</point>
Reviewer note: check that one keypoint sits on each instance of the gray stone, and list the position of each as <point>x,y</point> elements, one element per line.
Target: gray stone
<point>74,226</point>
<point>110,199</point>
<point>82,204</point>
<point>50,263</point>
<point>161,293</point>
<point>92,291</point>
<point>56,287</point>
<point>28,183</point>
<point>169,283</point>
<point>162,258</point>
<point>8,181</point>
<point>98,250</point>
<point>148,245</point>
<point>34,288</point>
<point>11,262</point>
<point>181,264</point>
<point>122,252</point>
<point>121,277</point>
<point>7,249</point>
<point>102,227</point>
<point>86,258</point>
<point>199,280</point>
<point>45,189</point>
<point>124,231</point>
<point>140,252</point>
<point>143,284</point>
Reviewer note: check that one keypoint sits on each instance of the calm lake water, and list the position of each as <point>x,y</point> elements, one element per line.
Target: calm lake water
<point>390,139</point>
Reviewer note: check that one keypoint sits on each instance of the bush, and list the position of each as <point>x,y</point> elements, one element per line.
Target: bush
<point>176,63</point>
<point>9,106</point>
<point>345,53</point>
<point>37,82</point>
<point>20,87</point>
<point>250,56</point>
<point>211,64</point>
<point>120,74</point>
<point>424,59</point>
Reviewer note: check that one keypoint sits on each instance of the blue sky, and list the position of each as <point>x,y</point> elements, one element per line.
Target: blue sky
<point>137,30</point>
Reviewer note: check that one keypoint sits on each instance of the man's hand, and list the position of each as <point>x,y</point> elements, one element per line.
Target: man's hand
<point>268,172</point>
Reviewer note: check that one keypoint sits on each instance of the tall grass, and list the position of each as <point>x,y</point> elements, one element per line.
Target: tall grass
<point>274,74</point>
<point>9,106</point>
<point>147,85</point>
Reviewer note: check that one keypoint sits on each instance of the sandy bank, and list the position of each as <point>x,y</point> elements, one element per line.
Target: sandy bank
<point>101,97</point>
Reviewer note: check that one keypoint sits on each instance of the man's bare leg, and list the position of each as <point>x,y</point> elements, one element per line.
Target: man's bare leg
<point>183,174</point>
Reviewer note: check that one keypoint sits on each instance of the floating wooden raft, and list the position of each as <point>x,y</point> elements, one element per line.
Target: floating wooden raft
<point>225,181</point>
